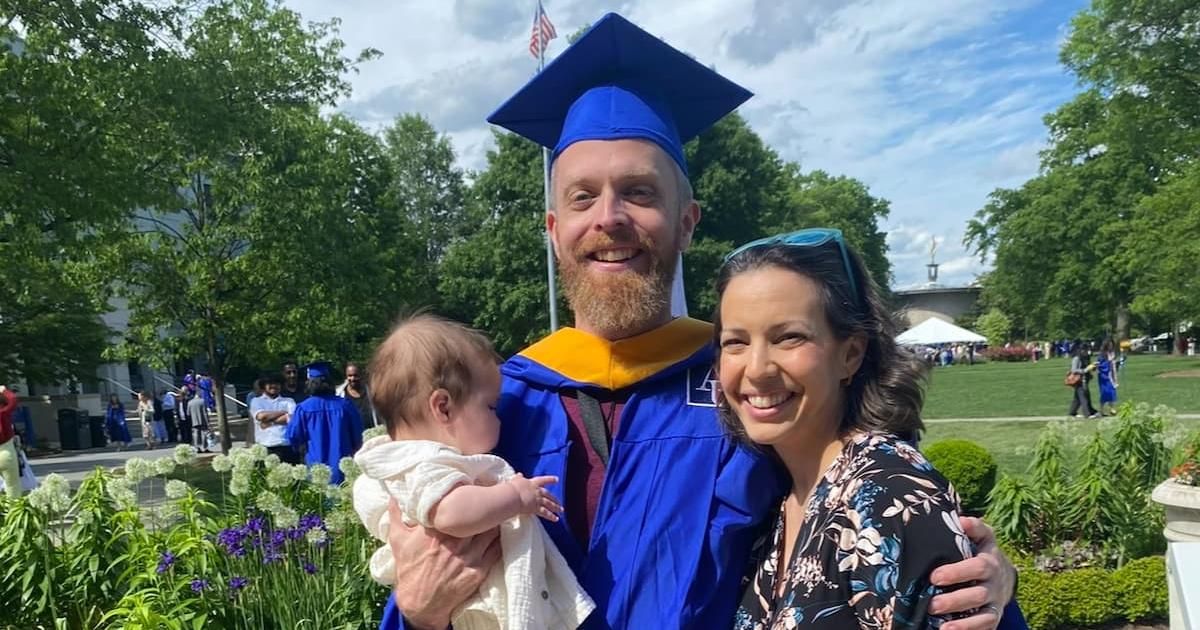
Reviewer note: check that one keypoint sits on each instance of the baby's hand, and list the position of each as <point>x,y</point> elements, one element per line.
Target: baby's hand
<point>535,499</point>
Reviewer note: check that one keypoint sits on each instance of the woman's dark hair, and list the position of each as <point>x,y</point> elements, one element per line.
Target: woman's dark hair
<point>319,386</point>
<point>272,379</point>
<point>887,391</point>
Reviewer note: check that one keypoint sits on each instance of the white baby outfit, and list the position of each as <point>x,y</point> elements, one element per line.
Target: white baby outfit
<point>531,587</point>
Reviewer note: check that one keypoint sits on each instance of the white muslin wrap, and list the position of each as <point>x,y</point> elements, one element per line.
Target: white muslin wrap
<point>531,587</point>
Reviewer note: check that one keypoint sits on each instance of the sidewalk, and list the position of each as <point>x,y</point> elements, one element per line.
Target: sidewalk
<point>75,465</point>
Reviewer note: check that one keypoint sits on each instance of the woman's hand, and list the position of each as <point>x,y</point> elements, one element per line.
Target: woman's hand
<point>984,584</point>
<point>436,573</point>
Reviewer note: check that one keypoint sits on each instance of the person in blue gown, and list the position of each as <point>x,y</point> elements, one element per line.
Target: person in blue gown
<point>325,426</point>
<point>661,506</point>
<point>1106,378</point>
<point>115,423</point>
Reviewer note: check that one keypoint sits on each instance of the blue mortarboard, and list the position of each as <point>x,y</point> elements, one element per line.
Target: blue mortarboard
<point>317,369</point>
<point>618,81</point>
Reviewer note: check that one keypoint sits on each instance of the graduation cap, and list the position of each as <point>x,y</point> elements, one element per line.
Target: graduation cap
<point>318,369</point>
<point>617,82</point>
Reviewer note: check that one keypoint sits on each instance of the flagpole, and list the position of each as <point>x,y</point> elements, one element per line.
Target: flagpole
<point>550,280</point>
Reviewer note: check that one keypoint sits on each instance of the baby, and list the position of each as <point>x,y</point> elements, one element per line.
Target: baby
<point>436,383</point>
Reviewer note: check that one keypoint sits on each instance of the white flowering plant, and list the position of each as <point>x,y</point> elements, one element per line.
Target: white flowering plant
<point>274,546</point>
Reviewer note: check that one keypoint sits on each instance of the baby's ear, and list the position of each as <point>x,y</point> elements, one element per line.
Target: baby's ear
<point>440,405</point>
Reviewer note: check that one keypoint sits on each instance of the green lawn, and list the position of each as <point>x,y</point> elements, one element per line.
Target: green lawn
<point>1028,389</point>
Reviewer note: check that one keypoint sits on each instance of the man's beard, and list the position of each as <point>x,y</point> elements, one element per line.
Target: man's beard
<point>617,303</point>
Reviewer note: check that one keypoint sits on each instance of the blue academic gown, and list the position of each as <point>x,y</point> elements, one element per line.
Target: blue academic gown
<point>329,427</point>
<point>681,503</point>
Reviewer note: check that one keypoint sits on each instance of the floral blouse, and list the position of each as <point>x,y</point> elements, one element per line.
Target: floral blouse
<point>878,523</point>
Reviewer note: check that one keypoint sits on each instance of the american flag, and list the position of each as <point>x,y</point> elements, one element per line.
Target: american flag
<point>543,32</point>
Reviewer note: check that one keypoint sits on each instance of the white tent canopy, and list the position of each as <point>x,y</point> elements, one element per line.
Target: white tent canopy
<point>934,331</point>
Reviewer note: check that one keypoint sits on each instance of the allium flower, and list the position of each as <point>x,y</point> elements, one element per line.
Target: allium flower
<point>316,536</point>
<point>165,562</point>
<point>349,469</point>
<point>237,583</point>
<point>221,463</point>
<point>320,474</point>
<point>268,501</point>
<point>176,489</point>
<point>271,461</point>
<point>184,454</point>
<point>138,469</point>
<point>53,495</point>
<point>242,459</point>
<point>259,452</point>
<point>299,472</point>
<point>199,585</point>
<point>85,518</point>
<point>239,485</point>
<point>164,466</point>
<point>279,477</point>
<point>122,493</point>
<point>286,517</point>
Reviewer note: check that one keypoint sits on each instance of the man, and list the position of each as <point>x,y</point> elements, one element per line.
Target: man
<point>256,390</point>
<point>354,388</point>
<point>169,403</point>
<point>197,413</point>
<point>327,427</point>
<point>292,386</point>
<point>270,414</point>
<point>661,507</point>
<point>10,462</point>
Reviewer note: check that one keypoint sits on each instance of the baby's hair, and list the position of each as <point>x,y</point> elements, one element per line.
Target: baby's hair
<point>424,353</point>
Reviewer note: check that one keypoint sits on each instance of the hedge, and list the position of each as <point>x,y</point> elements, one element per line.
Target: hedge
<point>969,467</point>
<point>1081,598</point>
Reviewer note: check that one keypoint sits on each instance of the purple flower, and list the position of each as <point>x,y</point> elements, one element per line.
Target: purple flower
<point>199,585</point>
<point>255,524</point>
<point>272,556</point>
<point>310,568</point>
<point>164,563</point>
<point>311,521</point>
<point>238,583</point>
<point>278,538</point>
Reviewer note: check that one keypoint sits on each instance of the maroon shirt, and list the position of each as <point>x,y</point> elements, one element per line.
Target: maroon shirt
<point>585,471</point>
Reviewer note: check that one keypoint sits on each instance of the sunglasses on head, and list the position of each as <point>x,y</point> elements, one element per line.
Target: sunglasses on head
<point>813,237</point>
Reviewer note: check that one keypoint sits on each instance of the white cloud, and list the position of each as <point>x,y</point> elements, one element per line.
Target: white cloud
<point>931,104</point>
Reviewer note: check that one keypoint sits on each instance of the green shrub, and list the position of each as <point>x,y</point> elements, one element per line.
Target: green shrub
<point>1083,598</point>
<point>1090,596</point>
<point>1039,600</point>
<point>1141,588</point>
<point>969,466</point>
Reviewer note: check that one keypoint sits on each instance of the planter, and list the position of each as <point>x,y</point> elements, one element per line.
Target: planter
<point>1182,505</point>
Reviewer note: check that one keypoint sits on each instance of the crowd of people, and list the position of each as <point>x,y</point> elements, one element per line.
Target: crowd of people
<point>182,415</point>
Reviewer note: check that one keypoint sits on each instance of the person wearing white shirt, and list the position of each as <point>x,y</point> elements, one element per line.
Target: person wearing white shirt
<point>271,413</point>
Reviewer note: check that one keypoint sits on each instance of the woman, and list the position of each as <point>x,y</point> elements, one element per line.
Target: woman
<point>145,411</point>
<point>114,421</point>
<point>1081,396</point>
<point>809,369</point>
<point>1106,378</point>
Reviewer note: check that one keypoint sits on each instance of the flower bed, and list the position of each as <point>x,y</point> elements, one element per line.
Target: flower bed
<point>279,548</point>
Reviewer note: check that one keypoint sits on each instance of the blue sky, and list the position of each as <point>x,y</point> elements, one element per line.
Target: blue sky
<point>932,104</point>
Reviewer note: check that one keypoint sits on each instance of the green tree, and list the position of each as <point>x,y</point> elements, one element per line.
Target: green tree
<point>1071,245</point>
<point>1163,246</point>
<point>72,120</point>
<point>494,276</point>
<point>265,210</point>
<point>996,326</point>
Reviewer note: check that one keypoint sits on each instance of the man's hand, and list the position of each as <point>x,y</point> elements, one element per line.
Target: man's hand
<point>436,573</point>
<point>535,499</point>
<point>984,584</point>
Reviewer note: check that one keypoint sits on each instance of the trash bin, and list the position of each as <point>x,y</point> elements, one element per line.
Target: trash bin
<point>73,435</point>
<point>95,425</point>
